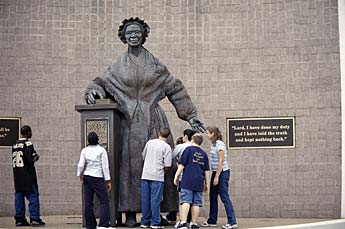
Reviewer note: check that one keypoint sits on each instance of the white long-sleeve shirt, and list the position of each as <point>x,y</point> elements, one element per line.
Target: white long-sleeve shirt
<point>94,162</point>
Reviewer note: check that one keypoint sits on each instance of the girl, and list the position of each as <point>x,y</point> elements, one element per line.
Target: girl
<point>219,180</point>
<point>93,170</point>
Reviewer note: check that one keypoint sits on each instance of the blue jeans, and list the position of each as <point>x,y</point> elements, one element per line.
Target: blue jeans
<point>34,203</point>
<point>151,197</point>
<point>96,185</point>
<point>222,190</point>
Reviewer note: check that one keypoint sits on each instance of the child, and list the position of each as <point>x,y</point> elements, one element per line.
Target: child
<point>171,216</point>
<point>186,141</point>
<point>24,157</point>
<point>181,144</point>
<point>177,152</point>
<point>93,169</point>
<point>195,180</point>
<point>179,140</point>
<point>157,159</point>
<point>219,180</point>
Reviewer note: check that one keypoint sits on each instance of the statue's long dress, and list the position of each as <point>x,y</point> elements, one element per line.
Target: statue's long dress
<point>137,84</point>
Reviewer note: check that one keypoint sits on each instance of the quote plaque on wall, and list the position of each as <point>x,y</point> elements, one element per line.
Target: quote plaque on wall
<point>276,132</point>
<point>9,131</point>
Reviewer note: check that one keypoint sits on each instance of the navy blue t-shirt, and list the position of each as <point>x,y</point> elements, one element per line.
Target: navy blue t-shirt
<point>195,162</point>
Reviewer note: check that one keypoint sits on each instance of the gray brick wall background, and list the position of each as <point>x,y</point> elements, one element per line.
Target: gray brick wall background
<point>237,58</point>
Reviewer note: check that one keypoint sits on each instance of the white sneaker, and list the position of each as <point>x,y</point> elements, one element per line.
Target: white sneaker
<point>228,226</point>
<point>157,227</point>
<point>206,224</point>
<point>177,223</point>
<point>106,227</point>
<point>182,226</point>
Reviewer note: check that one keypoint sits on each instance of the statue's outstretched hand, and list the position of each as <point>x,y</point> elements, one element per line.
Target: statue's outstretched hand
<point>197,125</point>
<point>93,95</point>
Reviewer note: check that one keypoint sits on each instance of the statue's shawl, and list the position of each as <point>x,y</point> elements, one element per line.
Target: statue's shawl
<point>144,84</point>
<point>137,84</point>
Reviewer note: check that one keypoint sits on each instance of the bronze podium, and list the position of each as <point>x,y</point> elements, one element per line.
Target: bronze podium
<point>104,119</point>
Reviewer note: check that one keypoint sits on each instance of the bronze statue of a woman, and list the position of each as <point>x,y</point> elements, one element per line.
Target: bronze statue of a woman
<point>137,81</point>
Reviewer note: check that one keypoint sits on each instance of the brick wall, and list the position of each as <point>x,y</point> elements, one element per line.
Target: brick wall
<point>237,58</point>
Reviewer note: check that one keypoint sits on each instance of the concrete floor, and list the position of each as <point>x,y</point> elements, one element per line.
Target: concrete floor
<point>74,221</point>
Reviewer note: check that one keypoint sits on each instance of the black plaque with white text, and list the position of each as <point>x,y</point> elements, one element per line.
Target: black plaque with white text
<point>9,131</point>
<point>261,132</point>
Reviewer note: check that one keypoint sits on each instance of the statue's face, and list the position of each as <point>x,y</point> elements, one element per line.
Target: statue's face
<point>134,35</point>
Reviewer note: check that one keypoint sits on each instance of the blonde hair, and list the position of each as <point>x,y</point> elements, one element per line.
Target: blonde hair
<point>197,139</point>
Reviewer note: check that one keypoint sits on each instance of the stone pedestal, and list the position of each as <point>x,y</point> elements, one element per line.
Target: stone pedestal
<point>104,119</point>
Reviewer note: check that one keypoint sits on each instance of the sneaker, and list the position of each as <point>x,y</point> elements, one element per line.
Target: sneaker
<point>195,226</point>
<point>228,226</point>
<point>206,224</point>
<point>177,223</point>
<point>182,226</point>
<point>171,217</point>
<point>106,227</point>
<point>37,222</point>
<point>164,221</point>
<point>144,226</point>
<point>157,227</point>
<point>22,222</point>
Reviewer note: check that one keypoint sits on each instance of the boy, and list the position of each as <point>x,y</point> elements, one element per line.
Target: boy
<point>186,138</point>
<point>25,180</point>
<point>177,152</point>
<point>157,159</point>
<point>195,180</point>
<point>181,144</point>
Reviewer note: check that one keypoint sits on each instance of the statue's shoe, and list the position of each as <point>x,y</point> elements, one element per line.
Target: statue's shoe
<point>131,224</point>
